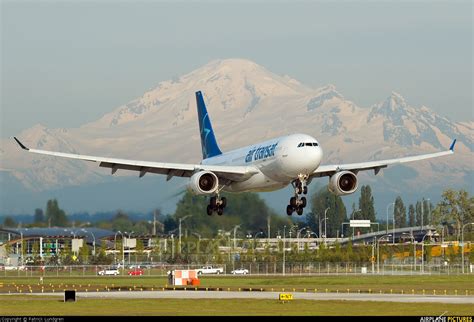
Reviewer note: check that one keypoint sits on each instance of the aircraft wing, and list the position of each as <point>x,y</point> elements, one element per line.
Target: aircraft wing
<point>232,173</point>
<point>329,170</point>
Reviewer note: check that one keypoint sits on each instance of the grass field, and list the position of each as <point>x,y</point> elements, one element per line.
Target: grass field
<point>29,305</point>
<point>453,285</point>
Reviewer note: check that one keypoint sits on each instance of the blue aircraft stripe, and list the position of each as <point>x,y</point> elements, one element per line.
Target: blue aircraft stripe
<point>209,144</point>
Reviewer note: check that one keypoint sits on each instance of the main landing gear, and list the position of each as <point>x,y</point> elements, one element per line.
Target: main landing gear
<point>216,204</point>
<point>298,203</point>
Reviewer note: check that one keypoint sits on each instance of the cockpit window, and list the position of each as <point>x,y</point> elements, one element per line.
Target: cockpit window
<point>307,144</point>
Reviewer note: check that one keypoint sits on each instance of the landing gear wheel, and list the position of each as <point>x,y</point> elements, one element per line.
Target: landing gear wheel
<point>209,210</point>
<point>299,211</point>
<point>213,202</point>
<point>220,211</point>
<point>303,202</point>
<point>223,202</point>
<point>293,202</point>
<point>305,190</point>
<point>289,210</point>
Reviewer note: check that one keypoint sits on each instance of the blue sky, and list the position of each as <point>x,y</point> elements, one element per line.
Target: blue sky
<point>67,63</point>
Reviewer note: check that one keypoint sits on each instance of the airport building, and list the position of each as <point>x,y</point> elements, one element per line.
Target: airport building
<point>17,245</point>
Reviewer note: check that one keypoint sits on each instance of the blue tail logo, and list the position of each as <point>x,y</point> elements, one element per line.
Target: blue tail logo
<point>208,140</point>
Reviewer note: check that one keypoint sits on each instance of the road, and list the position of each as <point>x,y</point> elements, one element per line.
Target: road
<point>461,299</point>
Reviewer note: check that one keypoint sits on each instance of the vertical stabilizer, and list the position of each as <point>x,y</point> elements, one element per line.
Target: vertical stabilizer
<point>208,140</point>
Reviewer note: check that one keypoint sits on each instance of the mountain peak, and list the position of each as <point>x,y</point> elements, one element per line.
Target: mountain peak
<point>329,89</point>
<point>396,100</point>
<point>324,94</point>
<point>229,66</point>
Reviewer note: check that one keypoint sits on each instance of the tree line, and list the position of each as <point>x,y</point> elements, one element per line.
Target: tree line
<point>249,215</point>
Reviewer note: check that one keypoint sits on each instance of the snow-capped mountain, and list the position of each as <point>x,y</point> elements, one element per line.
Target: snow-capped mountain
<point>247,103</point>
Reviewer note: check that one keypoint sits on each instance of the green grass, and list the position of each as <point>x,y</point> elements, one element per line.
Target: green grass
<point>397,284</point>
<point>29,305</point>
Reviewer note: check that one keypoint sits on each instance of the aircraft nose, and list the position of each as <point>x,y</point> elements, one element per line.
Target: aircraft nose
<point>312,159</point>
<point>317,157</point>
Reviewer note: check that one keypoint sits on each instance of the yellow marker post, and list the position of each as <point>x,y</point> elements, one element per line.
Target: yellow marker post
<point>285,297</point>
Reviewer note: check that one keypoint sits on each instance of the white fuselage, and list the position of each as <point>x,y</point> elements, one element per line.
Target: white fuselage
<point>279,162</point>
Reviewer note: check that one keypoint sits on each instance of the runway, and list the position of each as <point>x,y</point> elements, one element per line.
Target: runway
<point>273,295</point>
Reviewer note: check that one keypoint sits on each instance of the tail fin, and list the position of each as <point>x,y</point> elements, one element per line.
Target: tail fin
<point>208,140</point>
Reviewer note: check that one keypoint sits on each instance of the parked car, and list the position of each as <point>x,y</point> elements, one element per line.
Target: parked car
<point>210,270</point>
<point>240,271</point>
<point>135,272</point>
<point>109,272</point>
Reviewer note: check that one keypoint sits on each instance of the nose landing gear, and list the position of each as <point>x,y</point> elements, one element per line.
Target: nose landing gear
<point>298,203</point>
<point>216,204</point>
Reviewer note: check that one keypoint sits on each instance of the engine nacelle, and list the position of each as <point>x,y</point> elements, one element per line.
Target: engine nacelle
<point>203,183</point>
<point>343,183</point>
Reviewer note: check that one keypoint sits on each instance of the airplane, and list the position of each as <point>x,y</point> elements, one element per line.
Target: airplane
<point>267,166</point>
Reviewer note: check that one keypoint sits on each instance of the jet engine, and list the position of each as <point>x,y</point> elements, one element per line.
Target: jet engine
<point>343,183</point>
<point>203,182</point>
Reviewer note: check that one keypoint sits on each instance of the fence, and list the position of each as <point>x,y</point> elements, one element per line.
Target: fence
<point>255,269</point>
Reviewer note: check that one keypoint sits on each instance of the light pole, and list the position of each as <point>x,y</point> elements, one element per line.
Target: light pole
<point>235,230</point>
<point>255,239</point>
<point>284,245</point>
<point>123,251</point>
<point>388,206</point>
<point>412,238</point>
<point>325,228</point>
<point>180,220</point>
<point>115,247</point>
<point>298,237</point>
<point>353,217</point>
<point>73,233</point>
<point>378,251</point>
<point>21,254</point>
<point>325,211</point>
<point>172,246</point>
<point>93,243</point>
<point>423,251</point>
<point>462,241</point>
<point>374,240</point>
<point>128,247</point>
<point>198,248</point>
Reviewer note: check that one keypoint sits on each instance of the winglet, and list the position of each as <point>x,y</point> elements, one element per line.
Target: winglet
<point>452,145</point>
<point>21,144</point>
